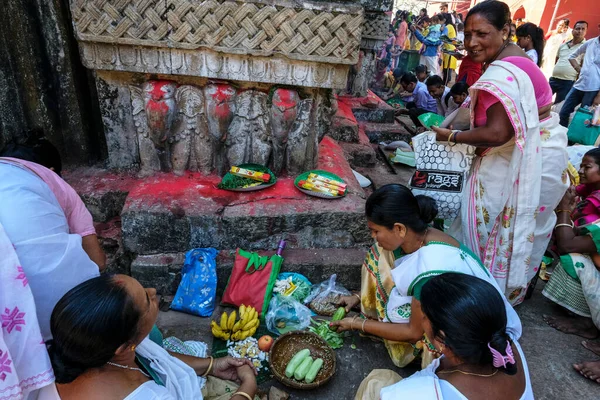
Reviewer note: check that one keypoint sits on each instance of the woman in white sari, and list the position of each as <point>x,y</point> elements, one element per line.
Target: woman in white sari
<point>101,350</point>
<point>520,173</point>
<point>465,319</point>
<point>389,297</point>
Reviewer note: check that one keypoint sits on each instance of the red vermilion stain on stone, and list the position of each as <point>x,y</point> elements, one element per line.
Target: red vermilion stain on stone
<point>222,95</point>
<point>157,91</point>
<point>285,98</point>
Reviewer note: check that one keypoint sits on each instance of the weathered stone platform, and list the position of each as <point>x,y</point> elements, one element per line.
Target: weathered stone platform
<point>164,216</point>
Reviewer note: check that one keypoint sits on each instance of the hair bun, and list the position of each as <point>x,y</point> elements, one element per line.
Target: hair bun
<point>63,372</point>
<point>428,209</point>
<point>499,342</point>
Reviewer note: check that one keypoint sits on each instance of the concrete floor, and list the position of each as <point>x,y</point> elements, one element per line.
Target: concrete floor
<point>550,355</point>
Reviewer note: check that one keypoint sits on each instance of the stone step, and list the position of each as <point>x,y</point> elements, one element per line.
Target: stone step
<point>103,192</point>
<point>407,123</point>
<point>344,126</point>
<point>165,213</point>
<point>163,271</point>
<point>370,108</point>
<point>385,132</point>
<point>360,154</point>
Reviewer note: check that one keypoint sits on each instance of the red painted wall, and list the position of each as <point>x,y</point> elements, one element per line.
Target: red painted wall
<point>574,10</point>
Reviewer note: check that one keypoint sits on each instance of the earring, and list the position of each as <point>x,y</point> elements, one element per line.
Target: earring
<point>504,37</point>
<point>133,347</point>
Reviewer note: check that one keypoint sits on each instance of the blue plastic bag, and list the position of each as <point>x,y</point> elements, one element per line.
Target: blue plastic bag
<point>197,291</point>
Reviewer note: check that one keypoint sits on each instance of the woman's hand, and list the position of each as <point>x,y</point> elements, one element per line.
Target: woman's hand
<point>441,134</point>
<point>348,302</point>
<point>343,324</point>
<point>229,368</point>
<point>246,373</point>
<point>568,201</point>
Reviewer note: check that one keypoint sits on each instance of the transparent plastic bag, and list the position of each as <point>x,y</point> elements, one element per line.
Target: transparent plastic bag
<point>287,314</point>
<point>292,284</point>
<point>323,298</point>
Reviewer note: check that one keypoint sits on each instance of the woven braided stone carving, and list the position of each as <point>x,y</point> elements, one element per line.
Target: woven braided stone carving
<point>323,32</point>
<point>376,26</point>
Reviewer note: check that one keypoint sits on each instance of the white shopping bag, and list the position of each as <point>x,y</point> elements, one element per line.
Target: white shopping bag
<point>442,172</point>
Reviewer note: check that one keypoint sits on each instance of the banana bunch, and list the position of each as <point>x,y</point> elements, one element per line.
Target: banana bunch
<point>230,329</point>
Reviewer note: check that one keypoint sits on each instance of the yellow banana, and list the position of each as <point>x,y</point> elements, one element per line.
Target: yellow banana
<point>237,326</point>
<point>248,315</point>
<point>242,311</point>
<point>216,329</point>
<point>253,331</point>
<point>231,321</point>
<point>254,313</point>
<point>244,317</point>
<point>226,336</point>
<point>244,334</point>
<point>223,321</point>
<point>250,324</point>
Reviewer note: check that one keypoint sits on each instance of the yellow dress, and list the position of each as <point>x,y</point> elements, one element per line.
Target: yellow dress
<point>449,62</point>
<point>376,286</point>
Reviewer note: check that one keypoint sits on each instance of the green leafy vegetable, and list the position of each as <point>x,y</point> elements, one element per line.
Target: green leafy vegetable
<point>322,329</point>
<point>302,290</point>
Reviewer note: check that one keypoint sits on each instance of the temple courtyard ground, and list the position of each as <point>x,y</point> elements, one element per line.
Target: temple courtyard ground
<point>550,355</point>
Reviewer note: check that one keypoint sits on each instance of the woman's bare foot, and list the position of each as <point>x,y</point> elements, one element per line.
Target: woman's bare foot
<point>579,326</point>
<point>589,369</point>
<point>594,347</point>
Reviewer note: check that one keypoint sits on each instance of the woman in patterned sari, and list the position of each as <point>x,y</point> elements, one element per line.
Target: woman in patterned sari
<point>408,252</point>
<point>575,282</point>
<point>520,172</point>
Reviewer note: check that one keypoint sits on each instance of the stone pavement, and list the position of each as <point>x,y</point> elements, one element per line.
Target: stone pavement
<point>550,355</point>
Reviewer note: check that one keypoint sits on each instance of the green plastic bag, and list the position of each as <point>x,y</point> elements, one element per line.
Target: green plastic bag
<point>431,119</point>
<point>582,133</point>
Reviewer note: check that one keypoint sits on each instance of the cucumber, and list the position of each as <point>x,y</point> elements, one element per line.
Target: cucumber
<point>314,370</point>
<point>301,371</point>
<point>295,362</point>
<point>339,314</point>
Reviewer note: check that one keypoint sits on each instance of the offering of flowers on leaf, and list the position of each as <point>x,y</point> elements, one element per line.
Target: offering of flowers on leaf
<point>248,177</point>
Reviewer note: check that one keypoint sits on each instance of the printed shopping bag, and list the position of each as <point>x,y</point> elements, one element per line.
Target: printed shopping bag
<point>196,293</point>
<point>442,172</point>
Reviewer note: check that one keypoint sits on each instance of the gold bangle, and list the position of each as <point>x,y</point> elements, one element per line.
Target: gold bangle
<point>209,368</point>
<point>358,297</point>
<point>560,225</point>
<point>363,326</point>
<point>450,138</point>
<point>352,322</point>
<point>560,211</point>
<point>243,394</point>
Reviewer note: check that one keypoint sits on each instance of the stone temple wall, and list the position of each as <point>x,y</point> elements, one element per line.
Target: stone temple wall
<point>201,85</point>
<point>43,84</point>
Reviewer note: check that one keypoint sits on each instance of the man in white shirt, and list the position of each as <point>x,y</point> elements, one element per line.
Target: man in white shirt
<point>586,90</point>
<point>564,75</point>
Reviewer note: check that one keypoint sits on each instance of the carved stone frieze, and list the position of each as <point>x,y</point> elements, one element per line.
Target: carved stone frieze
<point>211,64</point>
<point>307,31</point>
<point>185,127</point>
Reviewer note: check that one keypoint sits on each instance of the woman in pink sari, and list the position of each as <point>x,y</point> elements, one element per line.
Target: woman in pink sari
<point>520,172</point>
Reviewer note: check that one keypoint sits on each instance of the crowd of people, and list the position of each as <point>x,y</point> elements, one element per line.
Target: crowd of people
<point>446,298</point>
<point>522,183</point>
